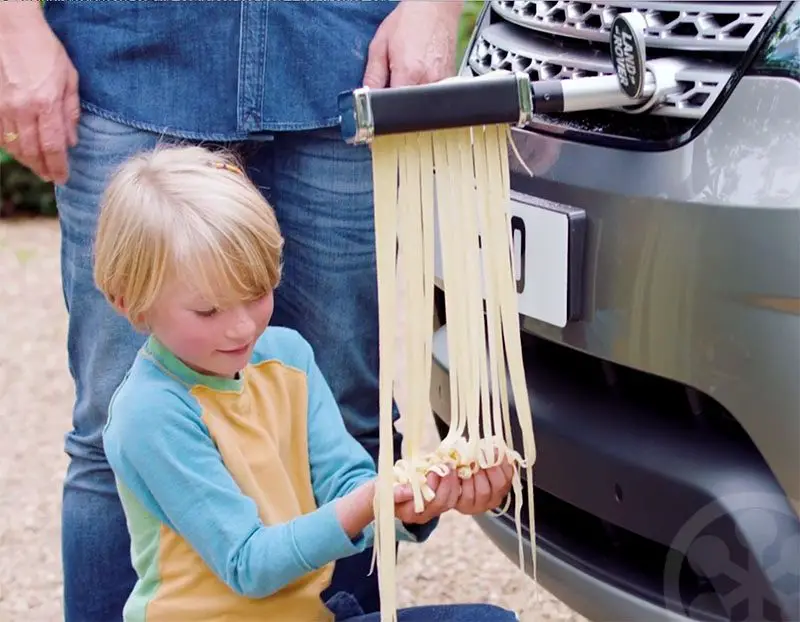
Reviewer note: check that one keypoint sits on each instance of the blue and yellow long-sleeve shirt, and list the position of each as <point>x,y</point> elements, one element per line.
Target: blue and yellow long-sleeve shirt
<point>228,484</point>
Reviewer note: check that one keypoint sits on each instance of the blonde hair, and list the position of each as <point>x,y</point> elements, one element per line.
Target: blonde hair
<point>188,213</point>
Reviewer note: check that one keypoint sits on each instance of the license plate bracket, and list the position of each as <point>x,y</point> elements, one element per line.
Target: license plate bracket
<point>549,241</point>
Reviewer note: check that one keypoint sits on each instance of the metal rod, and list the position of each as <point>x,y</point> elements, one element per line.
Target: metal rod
<point>595,93</point>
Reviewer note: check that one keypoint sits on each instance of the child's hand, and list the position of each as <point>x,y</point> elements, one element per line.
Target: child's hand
<point>447,490</point>
<point>485,490</point>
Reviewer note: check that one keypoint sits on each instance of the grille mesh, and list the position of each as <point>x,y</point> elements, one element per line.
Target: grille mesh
<point>710,26</point>
<point>501,46</point>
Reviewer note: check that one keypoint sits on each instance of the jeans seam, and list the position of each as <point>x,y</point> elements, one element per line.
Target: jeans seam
<point>163,131</point>
<point>267,125</point>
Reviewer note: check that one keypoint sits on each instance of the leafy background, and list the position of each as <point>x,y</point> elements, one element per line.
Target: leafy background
<point>22,192</point>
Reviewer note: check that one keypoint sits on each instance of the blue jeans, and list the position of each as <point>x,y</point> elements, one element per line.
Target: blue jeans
<point>321,190</point>
<point>346,608</point>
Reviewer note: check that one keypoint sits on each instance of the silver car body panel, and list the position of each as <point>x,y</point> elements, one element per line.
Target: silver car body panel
<point>693,259</point>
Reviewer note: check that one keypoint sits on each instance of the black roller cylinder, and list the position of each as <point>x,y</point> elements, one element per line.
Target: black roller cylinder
<point>497,98</point>
<point>459,103</point>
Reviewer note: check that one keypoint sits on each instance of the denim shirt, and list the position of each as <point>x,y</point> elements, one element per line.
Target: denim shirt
<point>217,70</point>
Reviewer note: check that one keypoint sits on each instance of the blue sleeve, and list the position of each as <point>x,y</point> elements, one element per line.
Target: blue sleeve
<point>339,463</point>
<point>179,477</point>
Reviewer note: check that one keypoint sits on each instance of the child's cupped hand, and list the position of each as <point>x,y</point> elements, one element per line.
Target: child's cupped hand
<point>447,489</point>
<point>482,492</point>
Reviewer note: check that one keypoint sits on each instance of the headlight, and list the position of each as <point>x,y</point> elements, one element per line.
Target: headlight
<point>781,54</point>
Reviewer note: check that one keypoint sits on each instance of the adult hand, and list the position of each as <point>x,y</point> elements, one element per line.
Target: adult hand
<point>415,44</point>
<point>485,490</point>
<point>447,489</point>
<point>39,106</point>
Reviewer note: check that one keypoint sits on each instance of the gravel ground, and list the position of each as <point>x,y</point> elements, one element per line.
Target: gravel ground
<point>35,414</point>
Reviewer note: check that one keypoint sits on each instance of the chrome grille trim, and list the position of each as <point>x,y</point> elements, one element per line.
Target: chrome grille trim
<point>708,26</point>
<point>503,46</point>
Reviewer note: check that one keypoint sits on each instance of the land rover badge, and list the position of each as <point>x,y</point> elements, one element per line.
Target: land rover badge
<point>628,52</point>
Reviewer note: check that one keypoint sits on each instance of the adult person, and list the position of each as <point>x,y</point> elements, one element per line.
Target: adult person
<point>84,85</point>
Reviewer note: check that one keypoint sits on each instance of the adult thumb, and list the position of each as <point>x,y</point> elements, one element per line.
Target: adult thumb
<point>376,74</point>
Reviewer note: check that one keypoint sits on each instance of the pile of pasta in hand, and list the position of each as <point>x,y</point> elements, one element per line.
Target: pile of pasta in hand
<point>461,178</point>
<point>458,455</point>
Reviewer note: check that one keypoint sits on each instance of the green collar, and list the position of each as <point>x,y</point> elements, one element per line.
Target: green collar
<point>176,367</point>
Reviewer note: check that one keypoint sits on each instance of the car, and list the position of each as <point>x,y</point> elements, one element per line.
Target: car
<point>660,320</point>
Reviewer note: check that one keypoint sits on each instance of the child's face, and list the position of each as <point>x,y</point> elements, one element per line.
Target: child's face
<point>211,341</point>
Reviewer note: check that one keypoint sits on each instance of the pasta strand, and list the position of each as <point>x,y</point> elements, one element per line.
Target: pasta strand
<point>458,178</point>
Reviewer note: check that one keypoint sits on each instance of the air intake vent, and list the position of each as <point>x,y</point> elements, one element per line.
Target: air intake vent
<point>503,46</point>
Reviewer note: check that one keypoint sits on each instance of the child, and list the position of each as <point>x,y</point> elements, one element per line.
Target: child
<point>240,484</point>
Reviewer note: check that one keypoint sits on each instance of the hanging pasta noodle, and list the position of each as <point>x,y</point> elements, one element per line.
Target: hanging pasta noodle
<point>464,174</point>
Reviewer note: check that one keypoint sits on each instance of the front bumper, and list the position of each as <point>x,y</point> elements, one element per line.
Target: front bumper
<point>629,500</point>
<point>583,592</point>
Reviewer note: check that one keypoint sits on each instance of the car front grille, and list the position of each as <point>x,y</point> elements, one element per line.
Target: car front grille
<point>500,47</point>
<point>565,39</point>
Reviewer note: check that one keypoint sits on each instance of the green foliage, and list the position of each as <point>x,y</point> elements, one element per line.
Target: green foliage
<point>472,9</point>
<point>21,191</point>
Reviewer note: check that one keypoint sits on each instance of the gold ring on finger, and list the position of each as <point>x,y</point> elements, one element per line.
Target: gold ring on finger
<point>10,137</point>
